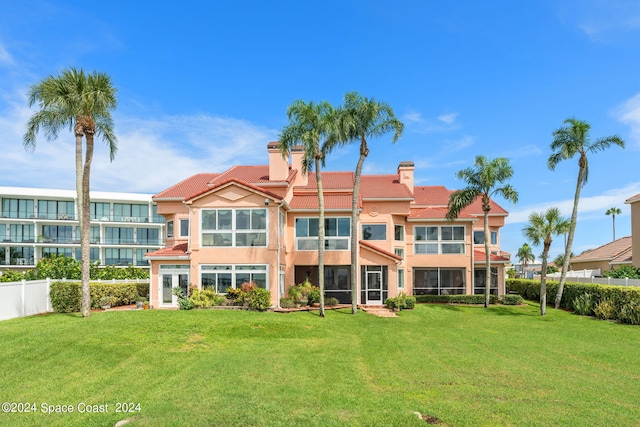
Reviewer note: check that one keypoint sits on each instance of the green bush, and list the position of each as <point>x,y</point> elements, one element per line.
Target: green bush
<point>630,313</point>
<point>583,304</point>
<point>258,299</point>
<point>401,302</point>
<point>206,298</point>
<point>331,302</point>
<point>287,303</point>
<point>66,296</point>
<point>624,271</point>
<point>183,301</point>
<point>456,299</point>
<point>605,310</point>
<point>314,295</point>
<point>512,299</point>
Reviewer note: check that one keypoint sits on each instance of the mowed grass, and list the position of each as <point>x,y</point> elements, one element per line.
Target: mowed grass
<point>466,366</point>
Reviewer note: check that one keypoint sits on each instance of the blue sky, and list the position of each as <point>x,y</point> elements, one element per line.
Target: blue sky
<point>205,85</point>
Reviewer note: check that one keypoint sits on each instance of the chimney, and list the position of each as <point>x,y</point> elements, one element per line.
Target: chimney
<point>297,154</point>
<point>405,173</point>
<point>278,165</point>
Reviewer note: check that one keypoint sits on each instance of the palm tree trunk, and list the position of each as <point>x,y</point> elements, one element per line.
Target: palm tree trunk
<point>320,235</point>
<point>543,279</point>
<point>85,226</point>
<point>572,229</point>
<point>354,231</point>
<point>487,276</point>
<point>614,226</point>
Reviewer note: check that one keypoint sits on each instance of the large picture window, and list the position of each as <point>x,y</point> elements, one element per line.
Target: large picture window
<point>336,233</point>
<point>17,208</point>
<point>479,280</point>
<point>439,240</point>
<point>234,227</point>
<point>222,277</point>
<point>438,281</point>
<point>56,209</point>
<point>478,237</point>
<point>374,232</point>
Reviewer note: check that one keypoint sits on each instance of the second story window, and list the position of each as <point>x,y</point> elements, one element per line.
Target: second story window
<point>398,233</point>
<point>374,232</point>
<point>439,240</point>
<point>169,228</point>
<point>234,227</point>
<point>478,237</point>
<point>184,228</point>
<point>337,233</point>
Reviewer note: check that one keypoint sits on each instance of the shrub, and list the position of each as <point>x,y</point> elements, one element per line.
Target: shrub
<point>456,299</point>
<point>314,295</point>
<point>512,299</point>
<point>183,301</point>
<point>630,313</point>
<point>287,303</point>
<point>236,296</point>
<point>583,304</point>
<point>605,309</point>
<point>65,296</point>
<point>331,302</point>
<point>401,302</point>
<point>206,298</point>
<point>258,299</point>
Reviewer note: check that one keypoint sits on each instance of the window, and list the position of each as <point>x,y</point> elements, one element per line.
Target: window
<point>438,281</point>
<point>479,280</point>
<point>374,232</point>
<point>401,278</point>
<point>336,233</point>
<point>398,233</point>
<point>100,211</point>
<point>56,209</point>
<point>147,236</point>
<point>118,236</point>
<point>140,254</point>
<point>399,252</point>
<point>130,212</point>
<point>17,208</point>
<point>222,277</point>
<point>94,234</point>
<point>21,255</point>
<point>169,228</point>
<point>57,234</point>
<point>94,254</point>
<point>20,233</point>
<point>234,227</point>
<point>439,240</point>
<point>184,228</point>
<point>115,256</point>
<point>49,252</point>
<point>478,237</point>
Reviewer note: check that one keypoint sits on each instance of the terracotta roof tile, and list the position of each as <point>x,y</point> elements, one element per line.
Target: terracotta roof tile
<point>608,251</point>
<point>383,186</point>
<point>633,199</point>
<point>624,257</point>
<point>252,174</point>
<point>186,187</point>
<point>174,251</point>
<point>434,195</point>
<point>479,256</point>
<point>330,181</point>
<point>219,184</point>
<point>434,213</point>
<point>386,253</point>
<point>331,201</point>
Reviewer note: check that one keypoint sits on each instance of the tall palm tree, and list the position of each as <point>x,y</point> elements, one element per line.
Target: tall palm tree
<point>312,126</point>
<point>525,254</point>
<point>482,181</point>
<point>541,228</point>
<point>613,212</point>
<point>83,103</point>
<point>569,141</point>
<point>559,260</point>
<point>362,118</point>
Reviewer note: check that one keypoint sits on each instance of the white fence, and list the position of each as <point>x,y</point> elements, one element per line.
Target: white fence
<point>589,276</point>
<point>26,298</point>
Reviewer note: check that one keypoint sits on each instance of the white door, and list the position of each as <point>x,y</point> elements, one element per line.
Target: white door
<point>168,281</point>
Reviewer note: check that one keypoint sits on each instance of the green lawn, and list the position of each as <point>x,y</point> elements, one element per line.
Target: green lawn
<point>467,366</point>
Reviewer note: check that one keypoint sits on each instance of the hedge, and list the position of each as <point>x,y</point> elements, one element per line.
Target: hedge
<point>456,299</point>
<point>66,296</point>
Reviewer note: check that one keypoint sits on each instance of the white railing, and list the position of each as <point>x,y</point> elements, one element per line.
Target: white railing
<point>26,298</point>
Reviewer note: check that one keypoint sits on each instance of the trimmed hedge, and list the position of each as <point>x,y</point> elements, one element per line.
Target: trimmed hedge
<point>66,296</point>
<point>456,299</point>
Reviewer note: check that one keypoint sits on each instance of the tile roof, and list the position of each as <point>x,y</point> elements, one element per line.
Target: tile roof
<point>186,187</point>
<point>434,195</point>
<point>633,199</point>
<point>331,201</point>
<point>374,248</point>
<point>434,213</point>
<point>608,251</point>
<point>475,208</point>
<point>479,256</point>
<point>383,187</point>
<point>252,174</point>
<point>174,251</point>
<point>624,257</point>
<point>330,181</point>
<point>220,184</point>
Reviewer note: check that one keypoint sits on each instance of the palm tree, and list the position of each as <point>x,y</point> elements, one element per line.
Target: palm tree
<point>525,254</point>
<point>312,126</point>
<point>567,142</point>
<point>559,260</point>
<point>481,181</point>
<point>613,212</point>
<point>362,118</point>
<point>83,103</point>
<point>541,228</point>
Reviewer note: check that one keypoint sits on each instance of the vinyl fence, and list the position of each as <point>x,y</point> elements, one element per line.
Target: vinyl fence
<point>591,276</point>
<point>26,298</point>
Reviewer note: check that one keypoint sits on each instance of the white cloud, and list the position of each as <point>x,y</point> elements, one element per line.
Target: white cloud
<point>458,144</point>
<point>448,118</point>
<point>5,56</point>
<point>412,116</point>
<point>592,207</point>
<point>629,114</point>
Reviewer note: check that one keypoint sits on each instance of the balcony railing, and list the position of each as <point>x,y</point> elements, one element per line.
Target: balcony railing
<point>74,217</point>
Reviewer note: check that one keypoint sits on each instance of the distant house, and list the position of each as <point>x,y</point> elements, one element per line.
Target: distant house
<point>605,257</point>
<point>260,224</point>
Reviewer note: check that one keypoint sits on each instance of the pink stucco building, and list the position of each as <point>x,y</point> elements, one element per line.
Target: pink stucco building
<point>259,223</point>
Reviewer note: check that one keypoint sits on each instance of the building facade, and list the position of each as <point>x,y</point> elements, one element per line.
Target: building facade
<point>260,224</point>
<point>36,223</point>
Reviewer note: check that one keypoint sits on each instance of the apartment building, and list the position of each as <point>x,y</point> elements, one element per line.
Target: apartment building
<point>37,223</point>
<point>260,224</point>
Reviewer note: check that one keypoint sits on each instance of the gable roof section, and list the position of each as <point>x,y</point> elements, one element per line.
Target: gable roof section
<point>438,195</point>
<point>479,257</point>
<point>331,202</point>
<point>255,175</point>
<point>387,254</point>
<point>174,252</point>
<point>438,213</point>
<point>605,252</point>
<point>383,187</point>
<point>330,181</point>
<point>186,187</point>
<point>222,184</point>
<point>624,257</point>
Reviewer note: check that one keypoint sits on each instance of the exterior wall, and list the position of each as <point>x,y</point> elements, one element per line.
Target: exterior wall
<point>603,265</point>
<point>635,233</point>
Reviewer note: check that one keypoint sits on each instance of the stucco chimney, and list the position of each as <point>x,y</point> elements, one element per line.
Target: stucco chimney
<point>405,173</point>
<point>297,154</point>
<point>278,165</point>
